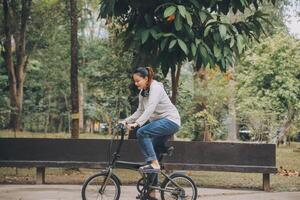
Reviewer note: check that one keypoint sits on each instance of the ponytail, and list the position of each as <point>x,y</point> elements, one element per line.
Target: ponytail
<point>145,72</point>
<point>150,75</point>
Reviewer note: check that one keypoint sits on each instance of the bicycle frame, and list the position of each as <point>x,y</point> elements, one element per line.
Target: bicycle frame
<point>147,183</point>
<point>132,166</point>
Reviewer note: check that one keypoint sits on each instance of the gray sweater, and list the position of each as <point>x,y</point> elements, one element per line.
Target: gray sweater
<point>155,106</point>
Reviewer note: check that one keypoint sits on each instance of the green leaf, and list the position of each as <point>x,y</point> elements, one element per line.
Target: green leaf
<point>227,51</point>
<point>240,43</point>
<point>222,30</point>
<point>189,18</point>
<point>194,49</point>
<point>211,21</point>
<point>169,11</point>
<point>169,34</point>
<point>203,52</point>
<point>154,34</point>
<point>232,42</point>
<point>145,35</point>
<point>172,44</point>
<point>183,46</point>
<point>203,16</point>
<point>182,10</point>
<point>198,41</point>
<point>178,22</point>
<point>148,20</point>
<point>217,51</point>
<point>195,3</point>
<point>163,43</point>
<point>206,31</point>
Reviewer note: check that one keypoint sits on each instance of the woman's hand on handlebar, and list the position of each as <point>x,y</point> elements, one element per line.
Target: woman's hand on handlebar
<point>132,126</point>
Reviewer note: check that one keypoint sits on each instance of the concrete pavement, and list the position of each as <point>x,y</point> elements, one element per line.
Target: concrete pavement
<point>72,192</point>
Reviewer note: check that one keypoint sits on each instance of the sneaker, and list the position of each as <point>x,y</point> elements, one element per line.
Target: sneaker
<point>149,169</point>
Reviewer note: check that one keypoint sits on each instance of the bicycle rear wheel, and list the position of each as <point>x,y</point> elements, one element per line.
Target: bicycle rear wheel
<point>93,188</point>
<point>179,186</point>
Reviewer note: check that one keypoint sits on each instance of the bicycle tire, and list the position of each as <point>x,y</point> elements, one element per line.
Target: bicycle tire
<point>189,189</point>
<point>90,188</point>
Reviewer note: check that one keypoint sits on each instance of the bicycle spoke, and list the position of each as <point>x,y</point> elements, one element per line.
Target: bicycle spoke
<point>180,188</point>
<point>95,190</point>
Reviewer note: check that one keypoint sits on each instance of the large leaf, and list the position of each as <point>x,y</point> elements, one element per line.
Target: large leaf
<point>203,53</point>
<point>222,30</point>
<point>195,3</point>
<point>206,31</point>
<point>183,46</point>
<point>240,45</point>
<point>169,11</point>
<point>172,44</point>
<point>203,16</point>
<point>178,22</point>
<point>154,34</point>
<point>145,36</point>
<point>182,10</point>
<point>189,18</point>
<point>163,43</point>
<point>217,52</point>
<point>194,49</point>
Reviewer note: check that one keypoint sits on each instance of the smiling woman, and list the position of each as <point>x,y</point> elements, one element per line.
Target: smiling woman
<point>156,107</point>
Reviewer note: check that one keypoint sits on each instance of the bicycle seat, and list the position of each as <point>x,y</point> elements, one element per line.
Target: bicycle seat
<point>168,151</point>
<point>164,151</point>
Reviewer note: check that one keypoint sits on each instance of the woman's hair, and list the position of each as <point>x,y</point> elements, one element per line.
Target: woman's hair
<point>145,72</point>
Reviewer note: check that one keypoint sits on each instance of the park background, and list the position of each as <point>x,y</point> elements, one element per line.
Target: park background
<point>234,75</point>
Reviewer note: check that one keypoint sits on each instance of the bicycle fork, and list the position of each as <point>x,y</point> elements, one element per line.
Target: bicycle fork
<point>103,185</point>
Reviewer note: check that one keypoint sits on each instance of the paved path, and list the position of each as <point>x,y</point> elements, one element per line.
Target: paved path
<point>72,192</point>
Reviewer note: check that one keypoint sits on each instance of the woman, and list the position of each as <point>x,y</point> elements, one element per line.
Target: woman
<point>155,107</point>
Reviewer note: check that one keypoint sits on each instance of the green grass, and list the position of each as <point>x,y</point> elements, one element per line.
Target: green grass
<point>285,157</point>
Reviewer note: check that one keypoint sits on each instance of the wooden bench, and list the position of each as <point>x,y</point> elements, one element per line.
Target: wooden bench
<point>92,153</point>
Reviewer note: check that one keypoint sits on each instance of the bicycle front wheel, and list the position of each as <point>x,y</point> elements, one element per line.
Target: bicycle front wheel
<point>94,188</point>
<point>179,186</point>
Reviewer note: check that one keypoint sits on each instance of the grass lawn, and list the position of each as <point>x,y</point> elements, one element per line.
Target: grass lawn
<point>285,157</point>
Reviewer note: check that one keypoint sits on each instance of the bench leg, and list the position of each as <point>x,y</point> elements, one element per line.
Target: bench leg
<point>266,182</point>
<point>40,175</point>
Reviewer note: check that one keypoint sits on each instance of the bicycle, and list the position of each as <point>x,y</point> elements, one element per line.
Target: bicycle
<point>106,185</point>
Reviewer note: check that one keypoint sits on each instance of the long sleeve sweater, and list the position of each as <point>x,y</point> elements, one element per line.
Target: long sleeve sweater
<point>156,105</point>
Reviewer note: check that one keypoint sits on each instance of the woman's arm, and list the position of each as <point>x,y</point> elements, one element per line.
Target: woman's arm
<point>137,113</point>
<point>154,97</point>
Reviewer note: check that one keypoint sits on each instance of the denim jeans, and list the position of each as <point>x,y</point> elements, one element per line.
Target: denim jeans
<point>156,133</point>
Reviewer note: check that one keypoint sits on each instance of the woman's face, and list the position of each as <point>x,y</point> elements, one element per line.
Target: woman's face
<point>140,82</point>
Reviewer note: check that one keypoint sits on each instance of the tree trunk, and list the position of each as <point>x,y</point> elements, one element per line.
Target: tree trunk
<point>207,133</point>
<point>175,74</point>
<point>47,117</point>
<point>232,132</point>
<point>15,30</point>
<point>74,72</point>
<point>81,107</point>
<point>110,131</point>
<point>202,75</point>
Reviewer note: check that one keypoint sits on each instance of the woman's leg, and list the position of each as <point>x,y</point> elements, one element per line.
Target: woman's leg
<point>157,128</point>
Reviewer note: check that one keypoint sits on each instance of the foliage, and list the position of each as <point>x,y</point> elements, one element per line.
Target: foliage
<point>269,84</point>
<point>4,102</point>
<point>105,72</point>
<point>198,30</point>
<point>203,104</point>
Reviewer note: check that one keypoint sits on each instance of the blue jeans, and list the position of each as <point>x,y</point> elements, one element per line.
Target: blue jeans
<point>156,133</point>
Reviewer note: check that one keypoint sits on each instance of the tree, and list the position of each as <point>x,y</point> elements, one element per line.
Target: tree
<point>15,23</point>
<point>167,33</point>
<point>106,80</point>
<point>74,71</point>
<point>268,89</point>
